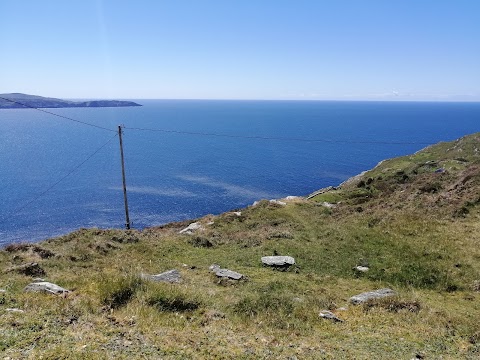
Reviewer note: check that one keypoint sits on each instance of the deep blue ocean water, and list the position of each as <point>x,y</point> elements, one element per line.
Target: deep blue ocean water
<point>172,176</point>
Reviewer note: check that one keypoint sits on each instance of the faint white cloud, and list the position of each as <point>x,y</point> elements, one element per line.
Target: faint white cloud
<point>231,189</point>
<point>149,190</point>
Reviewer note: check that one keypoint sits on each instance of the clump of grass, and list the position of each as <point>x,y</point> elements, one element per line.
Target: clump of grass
<point>393,304</point>
<point>200,241</point>
<point>426,276</point>
<point>265,303</point>
<point>170,299</point>
<point>115,292</point>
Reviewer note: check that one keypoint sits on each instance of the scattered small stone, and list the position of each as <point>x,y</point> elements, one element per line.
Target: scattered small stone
<point>291,197</point>
<point>237,213</point>
<point>210,223</point>
<point>170,276</point>
<point>14,310</point>
<point>366,296</point>
<point>46,287</point>
<point>277,202</point>
<point>225,273</point>
<point>325,314</point>
<point>342,308</point>
<point>3,291</point>
<point>328,205</point>
<point>29,269</point>
<point>362,269</point>
<point>214,315</point>
<point>476,285</point>
<point>190,267</point>
<point>278,260</point>
<point>38,280</point>
<point>190,229</point>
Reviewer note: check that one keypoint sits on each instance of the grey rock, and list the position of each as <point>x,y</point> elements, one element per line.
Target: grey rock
<point>190,229</point>
<point>228,274</point>
<point>277,202</point>
<point>278,260</point>
<point>170,276</point>
<point>46,287</point>
<point>325,314</point>
<point>225,273</point>
<point>366,296</point>
<point>362,269</point>
<point>14,310</point>
<point>328,205</point>
<point>214,267</point>
<point>291,197</point>
<point>3,291</point>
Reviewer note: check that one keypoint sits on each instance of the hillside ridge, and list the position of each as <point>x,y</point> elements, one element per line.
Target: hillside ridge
<point>409,230</point>
<point>24,101</point>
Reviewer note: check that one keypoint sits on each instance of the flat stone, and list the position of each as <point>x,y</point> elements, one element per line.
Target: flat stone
<point>277,202</point>
<point>190,229</point>
<point>225,273</point>
<point>170,276</point>
<point>366,296</point>
<point>328,205</point>
<point>361,268</point>
<point>325,314</point>
<point>46,286</point>
<point>278,260</point>
<point>14,310</point>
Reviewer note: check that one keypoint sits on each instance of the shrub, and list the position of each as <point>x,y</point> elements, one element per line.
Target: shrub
<point>172,300</point>
<point>265,303</point>
<point>116,292</point>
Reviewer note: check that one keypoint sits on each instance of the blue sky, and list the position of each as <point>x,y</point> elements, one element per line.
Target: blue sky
<point>262,49</point>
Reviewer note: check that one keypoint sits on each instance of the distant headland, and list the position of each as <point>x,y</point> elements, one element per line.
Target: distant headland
<point>24,101</point>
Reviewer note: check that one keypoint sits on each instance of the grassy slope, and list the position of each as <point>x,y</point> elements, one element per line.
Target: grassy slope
<point>417,229</point>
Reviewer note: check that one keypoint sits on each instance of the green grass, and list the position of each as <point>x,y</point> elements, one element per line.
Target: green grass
<point>412,241</point>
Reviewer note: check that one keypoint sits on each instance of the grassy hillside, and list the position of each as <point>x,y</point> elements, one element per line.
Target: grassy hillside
<point>414,221</point>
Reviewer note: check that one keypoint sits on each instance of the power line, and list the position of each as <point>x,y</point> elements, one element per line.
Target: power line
<point>280,138</point>
<point>58,115</point>
<point>60,180</point>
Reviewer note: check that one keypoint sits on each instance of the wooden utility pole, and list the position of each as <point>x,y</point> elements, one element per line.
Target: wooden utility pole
<point>127,218</point>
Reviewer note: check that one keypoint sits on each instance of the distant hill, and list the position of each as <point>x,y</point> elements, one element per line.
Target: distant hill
<point>24,101</point>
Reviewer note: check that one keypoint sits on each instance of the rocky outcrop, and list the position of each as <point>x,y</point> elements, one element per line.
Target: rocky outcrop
<point>328,315</point>
<point>371,295</point>
<point>170,276</point>
<point>45,286</point>
<point>225,273</point>
<point>278,261</point>
<point>190,229</point>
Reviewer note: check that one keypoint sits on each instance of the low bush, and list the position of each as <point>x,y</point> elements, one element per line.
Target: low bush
<point>172,300</point>
<point>116,292</point>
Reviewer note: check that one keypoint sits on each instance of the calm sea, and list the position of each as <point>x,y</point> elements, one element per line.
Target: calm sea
<point>175,176</point>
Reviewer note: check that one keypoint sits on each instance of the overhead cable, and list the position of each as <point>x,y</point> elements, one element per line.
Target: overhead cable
<point>58,115</point>
<point>15,212</point>
<point>280,138</point>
